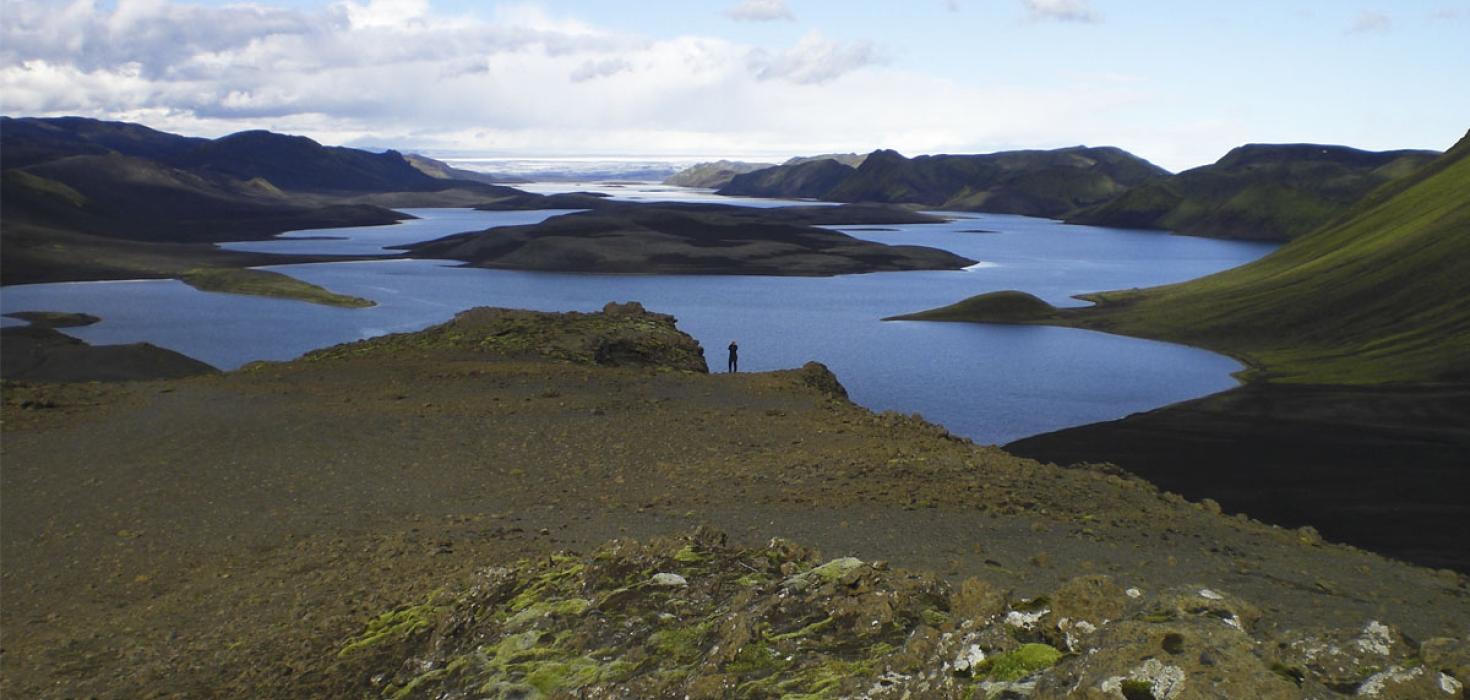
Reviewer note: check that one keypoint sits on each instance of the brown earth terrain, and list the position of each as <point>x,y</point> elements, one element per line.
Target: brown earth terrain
<point>230,535</point>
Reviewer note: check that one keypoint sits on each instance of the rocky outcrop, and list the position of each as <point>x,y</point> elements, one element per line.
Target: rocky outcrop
<point>694,617</point>
<point>621,335</point>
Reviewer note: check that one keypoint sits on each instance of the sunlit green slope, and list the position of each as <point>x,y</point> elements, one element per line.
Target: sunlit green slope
<point>1380,294</point>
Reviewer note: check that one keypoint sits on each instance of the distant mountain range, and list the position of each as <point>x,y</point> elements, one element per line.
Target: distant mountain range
<point>74,187</point>
<point>714,174</point>
<point>1035,183</point>
<point>1259,191</point>
<point>1376,295</point>
<point>718,174</point>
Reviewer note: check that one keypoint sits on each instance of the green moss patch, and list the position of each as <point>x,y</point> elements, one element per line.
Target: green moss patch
<point>1025,661</point>
<point>994,307</point>
<point>266,284</point>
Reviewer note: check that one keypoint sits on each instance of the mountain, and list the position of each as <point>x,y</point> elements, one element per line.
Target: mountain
<point>301,164</point>
<point>29,140</point>
<point>1271,192</point>
<point>440,170</point>
<point>1377,295</point>
<point>808,180</point>
<point>1354,416</point>
<point>293,163</point>
<point>119,196</point>
<point>74,189</point>
<point>848,159</point>
<point>1035,183</point>
<point>713,175</point>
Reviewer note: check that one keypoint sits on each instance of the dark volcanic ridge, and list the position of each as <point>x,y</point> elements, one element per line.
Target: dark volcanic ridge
<point>696,239</point>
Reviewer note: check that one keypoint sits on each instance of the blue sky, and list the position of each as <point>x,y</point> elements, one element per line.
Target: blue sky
<point>1176,82</point>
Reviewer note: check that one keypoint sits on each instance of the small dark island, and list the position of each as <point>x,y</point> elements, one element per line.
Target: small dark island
<point>696,239</point>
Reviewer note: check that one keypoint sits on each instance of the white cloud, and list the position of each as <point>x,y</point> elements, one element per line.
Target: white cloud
<point>1370,22</point>
<point>603,68</point>
<point>814,59</point>
<point>521,81</point>
<point>760,11</point>
<point>1061,10</point>
<point>385,13</point>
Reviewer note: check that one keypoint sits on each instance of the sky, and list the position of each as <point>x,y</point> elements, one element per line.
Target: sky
<point>1176,82</point>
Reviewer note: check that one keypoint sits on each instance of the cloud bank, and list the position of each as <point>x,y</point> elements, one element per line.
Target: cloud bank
<point>760,11</point>
<point>522,81</point>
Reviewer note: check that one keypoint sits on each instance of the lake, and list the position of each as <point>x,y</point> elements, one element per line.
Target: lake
<point>991,383</point>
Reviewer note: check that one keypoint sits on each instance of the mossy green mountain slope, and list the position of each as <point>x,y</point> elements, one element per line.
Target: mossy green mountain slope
<point>1033,183</point>
<point>1273,192</point>
<point>1380,295</point>
<point>808,179</point>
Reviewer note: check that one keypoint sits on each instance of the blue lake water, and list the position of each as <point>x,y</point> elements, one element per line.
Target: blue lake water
<point>991,383</point>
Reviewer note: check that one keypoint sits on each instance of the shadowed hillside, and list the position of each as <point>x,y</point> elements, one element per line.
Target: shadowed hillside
<point>811,179</point>
<point>89,199</point>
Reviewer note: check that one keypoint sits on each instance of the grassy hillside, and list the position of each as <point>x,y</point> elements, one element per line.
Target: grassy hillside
<point>1381,294</point>
<point>1257,192</point>
<point>119,196</point>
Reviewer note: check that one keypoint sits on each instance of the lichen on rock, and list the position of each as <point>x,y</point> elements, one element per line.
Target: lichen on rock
<point>695,617</point>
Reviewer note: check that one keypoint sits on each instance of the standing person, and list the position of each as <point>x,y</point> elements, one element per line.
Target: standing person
<point>734,357</point>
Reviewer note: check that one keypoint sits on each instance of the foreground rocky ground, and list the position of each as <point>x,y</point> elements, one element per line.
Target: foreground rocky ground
<point>350,524</point>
